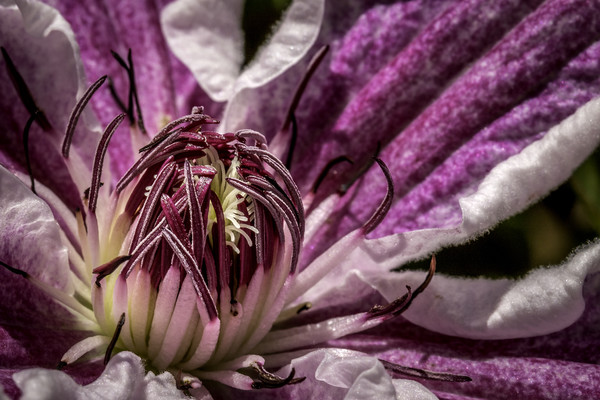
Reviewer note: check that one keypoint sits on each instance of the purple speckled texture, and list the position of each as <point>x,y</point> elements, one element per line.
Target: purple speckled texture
<point>561,365</point>
<point>166,89</point>
<point>34,333</point>
<point>449,89</point>
<point>532,79</point>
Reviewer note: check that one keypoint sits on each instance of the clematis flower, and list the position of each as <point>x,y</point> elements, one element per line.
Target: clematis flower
<point>225,260</point>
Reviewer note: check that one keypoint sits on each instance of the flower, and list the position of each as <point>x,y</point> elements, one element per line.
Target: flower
<point>479,110</point>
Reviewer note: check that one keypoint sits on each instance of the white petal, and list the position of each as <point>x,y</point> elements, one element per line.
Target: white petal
<point>30,235</point>
<point>123,378</point>
<point>345,374</point>
<point>42,45</point>
<point>546,300</point>
<point>508,189</point>
<point>207,37</point>
<point>289,43</point>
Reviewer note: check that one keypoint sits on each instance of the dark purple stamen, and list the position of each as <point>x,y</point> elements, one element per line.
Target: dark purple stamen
<point>394,308</point>
<point>24,93</point>
<point>293,140</point>
<point>26,148</point>
<point>99,160</point>
<point>191,267</point>
<point>114,339</point>
<point>325,171</point>
<point>106,269</point>
<point>267,380</point>
<point>194,121</point>
<point>356,176</point>
<point>290,116</point>
<point>15,270</point>
<point>76,113</point>
<point>386,203</point>
<point>402,303</point>
<point>424,374</point>
<point>115,96</point>
<point>133,95</point>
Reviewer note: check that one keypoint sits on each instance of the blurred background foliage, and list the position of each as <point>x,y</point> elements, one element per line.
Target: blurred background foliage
<point>544,234</point>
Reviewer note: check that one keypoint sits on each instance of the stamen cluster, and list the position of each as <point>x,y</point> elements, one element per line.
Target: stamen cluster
<point>211,227</point>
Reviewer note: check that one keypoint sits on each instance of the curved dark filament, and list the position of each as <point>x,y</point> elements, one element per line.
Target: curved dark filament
<point>76,113</point>
<point>290,116</point>
<point>114,339</point>
<point>24,93</point>
<point>325,171</point>
<point>132,99</point>
<point>99,160</point>
<point>26,148</point>
<point>267,380</point>
<point>424,374</point>
<point>385,205</point>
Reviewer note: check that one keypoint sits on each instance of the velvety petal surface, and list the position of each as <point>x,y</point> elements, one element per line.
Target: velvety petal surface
<point>550,297</point>
<point>558,365</point>
<point>32,331</point>
<point>514,94</point>
<point>123,378</point>
<point>113,25</point>
<point>503,76</point>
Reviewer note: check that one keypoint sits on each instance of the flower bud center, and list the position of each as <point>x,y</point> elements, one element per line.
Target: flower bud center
<point>214,229</point>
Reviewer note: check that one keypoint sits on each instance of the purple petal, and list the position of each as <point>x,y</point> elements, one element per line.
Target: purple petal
<point>104,26</point>
<point>30,235</point>
<point>559,365</point>
<point>508,87</point>
<point>43,49</point>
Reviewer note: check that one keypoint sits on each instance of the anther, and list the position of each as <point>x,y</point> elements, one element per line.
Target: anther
<point>345,186</point>
<point>114,339</point>
<point>385,205</point>
<point>76,113</point>
<point>15,270</point>
<point>106,269</point>
<point>99,160</point>
<point>402,303</point>
<point>267,380</point>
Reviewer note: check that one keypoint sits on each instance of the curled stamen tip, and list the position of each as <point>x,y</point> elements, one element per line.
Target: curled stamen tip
<point>386,203</point>
<point>267,380</point>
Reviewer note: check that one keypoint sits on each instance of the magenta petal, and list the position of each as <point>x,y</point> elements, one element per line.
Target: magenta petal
<point>518,83</point>
<point>104,26</point>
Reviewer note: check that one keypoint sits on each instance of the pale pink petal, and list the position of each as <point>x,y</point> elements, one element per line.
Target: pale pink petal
<point>123,378</point>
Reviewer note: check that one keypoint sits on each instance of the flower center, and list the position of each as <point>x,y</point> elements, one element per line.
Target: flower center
<point>204,237</point>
